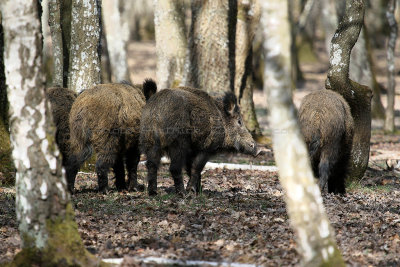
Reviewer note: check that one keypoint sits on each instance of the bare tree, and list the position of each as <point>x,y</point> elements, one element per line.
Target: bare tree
<point>46,220</point>
<point>248,18</point>
<point>84,70</point>
<point>212,45</point>
<point>171,42</point>
<point>389,121</point>
<point>57,42</point>
<point>358,96</point>
<point>315,237</point>
<point>117,34</point>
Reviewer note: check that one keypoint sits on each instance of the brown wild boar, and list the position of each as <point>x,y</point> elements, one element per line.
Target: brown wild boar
<point>189,125</point>
<point>327,126</point>
<point>61,100</point>
<point>106,119</point>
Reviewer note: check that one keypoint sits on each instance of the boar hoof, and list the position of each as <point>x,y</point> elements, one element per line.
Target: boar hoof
<point>103,190</point>
<point>136,188</point>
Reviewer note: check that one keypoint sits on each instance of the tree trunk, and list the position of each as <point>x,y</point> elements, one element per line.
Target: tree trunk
<point>116,32</point>
<point>248,18</point>
<point>48,232</point>
<point>389,121</point>
<point>66,13</point>
<point>171,43</point>
<point>85,45</point>
<point>358,96</point>
<point>57,41</point>
<point>212,45</point>
<point>315,237</point>
<point>362,71</point>
<point>329,20</point>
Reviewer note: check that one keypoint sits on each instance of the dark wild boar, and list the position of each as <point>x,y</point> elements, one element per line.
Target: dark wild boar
<point>106,119</point>
<point>189,125</point>
<point>327,126</point>
<point>61,100</point>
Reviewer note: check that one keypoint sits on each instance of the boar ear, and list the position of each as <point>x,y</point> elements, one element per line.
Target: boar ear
<point>149,88</point>
<point>230,105</point>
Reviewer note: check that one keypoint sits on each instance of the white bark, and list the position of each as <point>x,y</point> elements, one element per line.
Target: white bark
<point>303,198</point>
<point>85,41</point>
<point>117,35</point>
<point>171,43</point>
<point>40,191</point>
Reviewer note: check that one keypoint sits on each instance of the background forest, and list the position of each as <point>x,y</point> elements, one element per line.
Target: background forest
<point>252,211</point>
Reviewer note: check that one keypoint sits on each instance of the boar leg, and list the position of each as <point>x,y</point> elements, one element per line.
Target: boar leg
<point>177,161</point>
<point>336,184</point>
<point>132,161</point>
<point>153,160</point>
<point>194,184</point>
<point>103,165</point>
<point>73,163</point>
<point>329,157</point>
<point>119,172</point>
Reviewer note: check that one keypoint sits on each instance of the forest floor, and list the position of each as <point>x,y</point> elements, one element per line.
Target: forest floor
<point>240,215</point>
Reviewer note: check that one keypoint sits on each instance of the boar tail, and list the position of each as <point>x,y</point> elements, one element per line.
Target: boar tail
<point>149,88</point>
<point>314,145</point>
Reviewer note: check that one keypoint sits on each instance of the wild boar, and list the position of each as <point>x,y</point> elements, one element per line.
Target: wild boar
<point>189,125</point>
<point>106,119</point>
<point>327,126</point>
<point>61,100</point>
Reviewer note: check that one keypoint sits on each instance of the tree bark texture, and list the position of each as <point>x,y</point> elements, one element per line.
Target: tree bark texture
<point>85,45</point>
<point>171,42</point>
<point>357,96</point>
<point>48,232</point>
<point>362,71</point>
<point>389,121</point>
<point>248,18</point>
<point>66,13</point>
<point>212,51</point>
<point>117,34</point>
<point>57,42</point>
<point>315,237</point>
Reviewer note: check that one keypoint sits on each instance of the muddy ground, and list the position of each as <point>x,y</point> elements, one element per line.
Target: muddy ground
<point>240,215</point>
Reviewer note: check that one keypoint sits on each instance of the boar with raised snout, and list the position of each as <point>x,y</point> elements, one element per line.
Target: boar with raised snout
<point>61,100</point>
<point>327,126</point>
<point>189,125</point>
<point>106,119</point>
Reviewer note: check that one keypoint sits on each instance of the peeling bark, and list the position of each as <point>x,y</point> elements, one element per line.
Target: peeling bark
<point>57,42</point>
<point>389,121</point>
<point>315,237</point>
<point>357,96</point>
<point>85,45</point>
<point>171,43</point>
<point>117,33</point>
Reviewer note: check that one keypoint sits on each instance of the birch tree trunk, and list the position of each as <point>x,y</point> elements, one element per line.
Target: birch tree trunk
<point>85,45</point>
<point>329,20</point>
<point>212,45</point>
<point>117,33</point>
<point>248,18</point>
<point>48,232</point>
<point>356,95</point>
<point>315,237</point>
<point>57,42</point>
<point>171,42</point>
<point>389,121</point>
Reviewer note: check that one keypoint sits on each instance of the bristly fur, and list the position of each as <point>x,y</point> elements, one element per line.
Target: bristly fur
<point>327,126</point>
<point>107,119</point>
<point>149,88</point>
<point>189,125</point>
